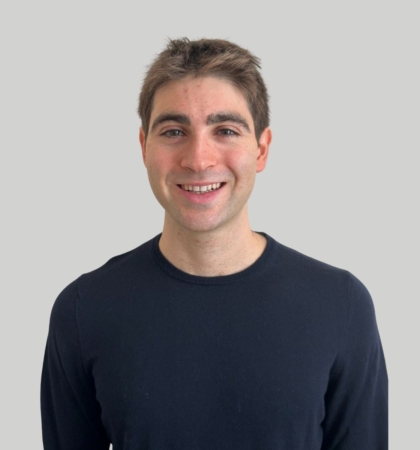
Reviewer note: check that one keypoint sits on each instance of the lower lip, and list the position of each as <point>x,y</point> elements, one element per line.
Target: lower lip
<point>201,198</point>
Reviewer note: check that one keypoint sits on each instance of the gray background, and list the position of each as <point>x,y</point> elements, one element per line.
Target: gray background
<point>341,183</point>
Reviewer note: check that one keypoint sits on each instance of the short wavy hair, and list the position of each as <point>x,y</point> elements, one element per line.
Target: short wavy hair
<point>207,57</point>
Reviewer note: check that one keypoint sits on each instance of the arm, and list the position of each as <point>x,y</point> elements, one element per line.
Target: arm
<point>69,409</point>
<point>356,402</point>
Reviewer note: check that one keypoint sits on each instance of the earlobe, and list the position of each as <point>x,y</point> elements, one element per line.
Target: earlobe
<point>263,148</point>
<point>142,139</point>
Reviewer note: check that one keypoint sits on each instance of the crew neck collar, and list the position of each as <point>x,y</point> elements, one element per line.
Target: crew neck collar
<point>259,265</point>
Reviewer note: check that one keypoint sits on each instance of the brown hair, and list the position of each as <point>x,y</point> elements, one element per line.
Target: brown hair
<point>207,57</point>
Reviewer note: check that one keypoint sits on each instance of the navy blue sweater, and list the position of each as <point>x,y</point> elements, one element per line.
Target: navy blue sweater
<point>284,355</point>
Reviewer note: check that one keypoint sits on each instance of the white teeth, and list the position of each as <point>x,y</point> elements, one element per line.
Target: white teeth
<point>201,189</point>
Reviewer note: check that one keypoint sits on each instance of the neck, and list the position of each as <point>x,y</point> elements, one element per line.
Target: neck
<point>223,251</point>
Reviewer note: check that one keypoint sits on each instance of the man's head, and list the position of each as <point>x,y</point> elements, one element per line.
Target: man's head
<point>204,134</point>
<point>203,58</point>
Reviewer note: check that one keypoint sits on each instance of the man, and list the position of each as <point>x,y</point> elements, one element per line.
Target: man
<point>212,336</point>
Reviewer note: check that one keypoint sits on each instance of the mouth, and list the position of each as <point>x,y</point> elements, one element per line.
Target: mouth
<point>199,190</point>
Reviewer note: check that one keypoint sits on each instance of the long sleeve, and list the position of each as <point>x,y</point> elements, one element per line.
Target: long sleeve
<point>70,412</point>
<point>356,401</point>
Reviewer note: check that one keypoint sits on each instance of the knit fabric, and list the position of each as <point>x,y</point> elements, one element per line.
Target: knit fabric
<point>284,355</point>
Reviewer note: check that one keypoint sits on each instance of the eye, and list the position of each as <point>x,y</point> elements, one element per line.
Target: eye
<point>227,132</point>
<point>173,133</point>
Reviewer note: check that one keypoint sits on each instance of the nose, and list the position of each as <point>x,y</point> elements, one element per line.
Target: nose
<point>199,155</point>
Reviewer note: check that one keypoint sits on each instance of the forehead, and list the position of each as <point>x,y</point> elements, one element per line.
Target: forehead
<point>199,96</point>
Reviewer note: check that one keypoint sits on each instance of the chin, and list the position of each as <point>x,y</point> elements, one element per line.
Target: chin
<point>200,225</point>
<point>203,222</point>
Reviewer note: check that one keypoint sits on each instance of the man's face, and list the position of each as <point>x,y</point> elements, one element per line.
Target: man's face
<point>201,153</point>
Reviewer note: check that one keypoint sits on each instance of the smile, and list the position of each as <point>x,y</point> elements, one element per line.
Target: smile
<point>200,189</point>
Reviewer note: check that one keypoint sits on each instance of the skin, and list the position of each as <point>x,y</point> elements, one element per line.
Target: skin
<point>202,132</point>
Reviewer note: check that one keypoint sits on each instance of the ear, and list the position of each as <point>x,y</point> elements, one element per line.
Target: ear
<point>263,147</point>
<point>142,139</point>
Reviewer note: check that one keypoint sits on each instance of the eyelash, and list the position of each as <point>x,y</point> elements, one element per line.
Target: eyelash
<point>226,132</point>
<point>169,134</point>
<point>231,132</point>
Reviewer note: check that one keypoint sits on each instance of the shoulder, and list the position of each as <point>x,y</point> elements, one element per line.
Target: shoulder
<point>120,271</point>
<point>123,262</point>
<point>328,284</point>
<point>298,267</point>
<point>115,276</point>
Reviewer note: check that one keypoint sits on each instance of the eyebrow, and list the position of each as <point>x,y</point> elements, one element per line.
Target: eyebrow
<point>170,117</point>
<point>221,117</point>
<point>212,119</point>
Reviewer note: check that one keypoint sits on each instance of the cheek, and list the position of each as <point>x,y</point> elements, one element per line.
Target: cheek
<point>156,164</point>
<point>243,165</point>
